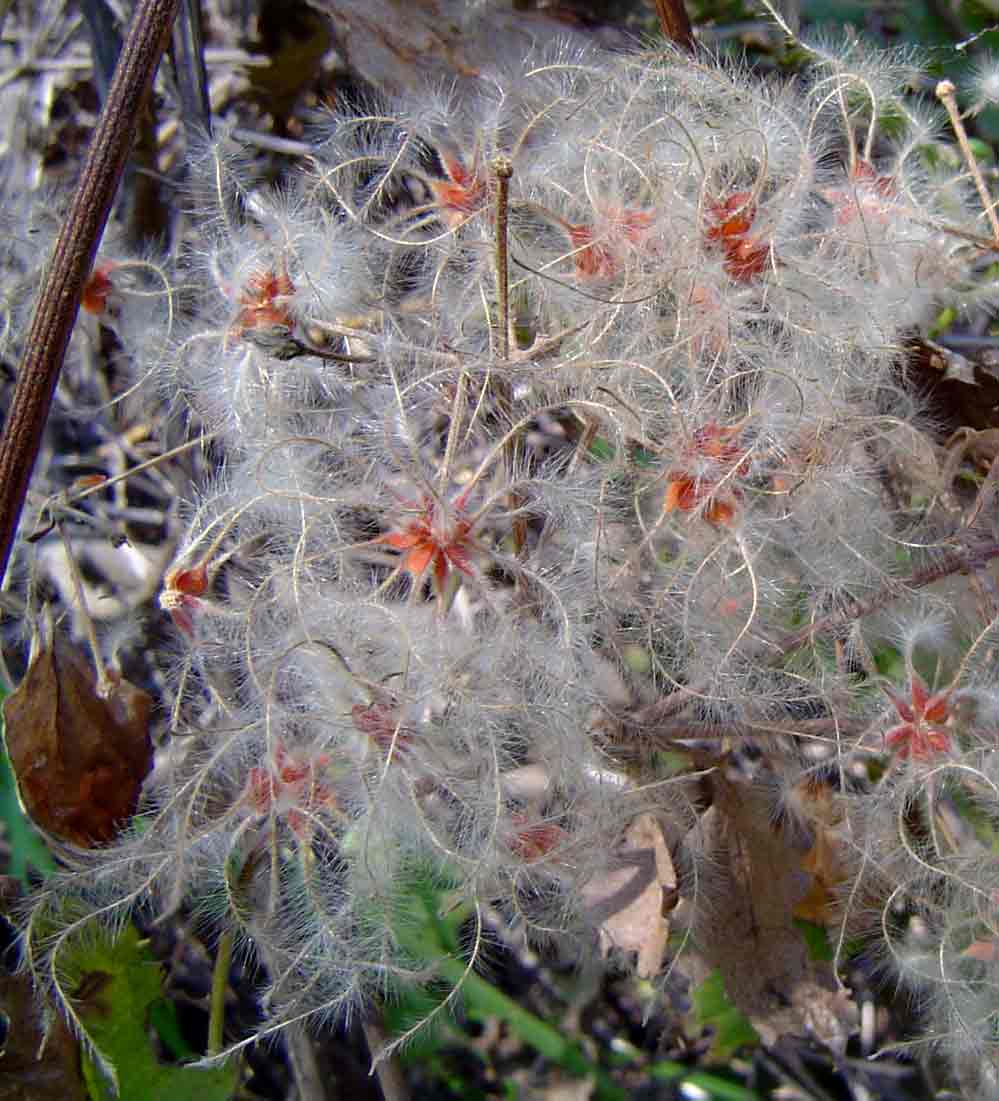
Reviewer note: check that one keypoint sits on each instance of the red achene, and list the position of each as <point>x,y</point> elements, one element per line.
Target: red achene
<point>921,734</point>
<point>461,194</point>
<point>600,257</point>
<point>264,302</point>
<point>289,786</point>
<point>438,539</point>
<point>729,222</point>
<point>98,288</point>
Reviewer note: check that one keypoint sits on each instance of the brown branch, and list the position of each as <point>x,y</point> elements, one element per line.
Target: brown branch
<point>655,715</point>
<point>958,561</point>
<point>676,23</point>
<point>73,258</point>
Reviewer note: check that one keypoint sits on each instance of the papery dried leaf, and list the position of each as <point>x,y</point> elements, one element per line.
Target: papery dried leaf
<point>985,950</point>
<point>961,392</point>
<point>399,46</point>
<point>749,934</point>
<point>79,759</point>
<point>629,898</point>
<point>824,861</point>
<point>39,1060</point>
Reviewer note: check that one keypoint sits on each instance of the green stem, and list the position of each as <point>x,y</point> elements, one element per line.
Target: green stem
<point>220,983</point>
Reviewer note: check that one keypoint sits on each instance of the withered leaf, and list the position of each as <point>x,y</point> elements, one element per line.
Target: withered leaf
<point>628,899</point>
<point>39,1060</point>
<point>749,936</point>
<point>824,860</point>
<point>961,392</point>
<point>399,46</point>
<point>79,759</point>
<point>31,1070</point>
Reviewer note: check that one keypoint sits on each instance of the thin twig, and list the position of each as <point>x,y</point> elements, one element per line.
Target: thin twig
<point>105,685</point>
<point>945,93</point>
<point>390,1076</point>
<point>503,169</point>
<point>157,460</point>
<point>305,1070</point>
<point>188,52</point>
<point>779,20</point>
<point>73,258</point>
<point>304,1064</point>
<point>948,564</point>
<point>105,42</point>
<point>655,714</point>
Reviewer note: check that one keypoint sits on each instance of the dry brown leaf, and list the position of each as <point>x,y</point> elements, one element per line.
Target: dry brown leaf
<point>824,860</point>
<point>962,392</point>
<point>749,933</point>
<point>39,1058</point>
<point>79,759</point>
<point>31,1070</point>
<point>629,898</point>
<point>400,46</point>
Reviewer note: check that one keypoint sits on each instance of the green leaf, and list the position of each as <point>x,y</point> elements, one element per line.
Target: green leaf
<point>890,663</point>
<point>27,849</point>
<point>944,320</point>
<point>601,450</point>
<point>117,991</point>
<point>981,150</point>
<point>711,1085</point>
<point>816,941</point>
<point>984,825</point>
<point>432,939</point>
<point>163,1018</point>
<point>712,1009</point>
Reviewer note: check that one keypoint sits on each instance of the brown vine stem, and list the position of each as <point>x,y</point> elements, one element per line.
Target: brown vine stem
<point>946,94</point>
<point>958,561</point>
<point>502,168</point>
<point>73,258</point>
<point>676,23</point>
<point>945,566</point>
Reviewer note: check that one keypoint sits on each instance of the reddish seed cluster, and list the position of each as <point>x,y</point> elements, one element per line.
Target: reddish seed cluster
<point>600,259</point>
<point>461,194</point>
<point>380,722</point>
<point>533,840</point>
<point>98,288</point>
<point>720,457</point>
<point>289,786</point>
<point>921,732</point>
<point>729,222</point>
<point>868,195</point>
<point>264,302</point>
<point>182,592</point>
<point>438,539</point>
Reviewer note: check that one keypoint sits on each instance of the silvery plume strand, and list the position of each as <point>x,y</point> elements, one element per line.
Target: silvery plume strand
<point>457,533</point>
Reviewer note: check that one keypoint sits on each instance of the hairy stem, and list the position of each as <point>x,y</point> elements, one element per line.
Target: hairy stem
<point>957,561</point>
<point>220,983</point>
<point>73,258</point>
